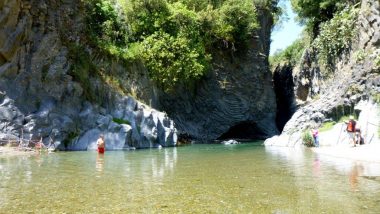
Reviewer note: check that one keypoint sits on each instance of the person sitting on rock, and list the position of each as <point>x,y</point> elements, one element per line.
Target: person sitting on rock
<point>358,135</point>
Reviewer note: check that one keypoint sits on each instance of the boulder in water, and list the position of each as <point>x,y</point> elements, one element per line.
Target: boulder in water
<point>230,142</point>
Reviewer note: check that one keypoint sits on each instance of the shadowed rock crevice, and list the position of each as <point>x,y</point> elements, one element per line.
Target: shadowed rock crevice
<point>244,131</point>
<point>283,87</point>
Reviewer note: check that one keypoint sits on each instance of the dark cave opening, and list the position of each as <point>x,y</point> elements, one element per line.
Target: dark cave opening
<point>284,90</point>
<point>244,131</point>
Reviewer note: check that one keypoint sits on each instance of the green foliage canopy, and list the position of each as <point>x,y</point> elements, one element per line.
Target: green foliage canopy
<point>336,36</point>
<point>172,60</point>
<point>146,17</point>
<point>290,55</point>
<point>106,27</point>
<point>236,21</point>
<point>333,37</point>
<point>314,12</point>
<point>172,37</point>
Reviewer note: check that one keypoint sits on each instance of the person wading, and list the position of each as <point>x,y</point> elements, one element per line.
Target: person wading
<point>101,144</point>
<point>316,137</point>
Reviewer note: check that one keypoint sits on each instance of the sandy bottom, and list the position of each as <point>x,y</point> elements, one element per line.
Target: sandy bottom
<point>370,152</point>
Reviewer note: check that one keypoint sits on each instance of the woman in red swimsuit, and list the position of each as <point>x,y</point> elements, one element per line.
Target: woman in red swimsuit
<point>101,144</point>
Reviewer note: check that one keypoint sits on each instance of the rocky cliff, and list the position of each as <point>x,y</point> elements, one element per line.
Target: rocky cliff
<point>235,100</point>
<point>49,87</point>
<point>41,96</point>
<point>353,88</point>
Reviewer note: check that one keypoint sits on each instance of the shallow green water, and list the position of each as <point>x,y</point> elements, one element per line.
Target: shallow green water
<point>245,178</point>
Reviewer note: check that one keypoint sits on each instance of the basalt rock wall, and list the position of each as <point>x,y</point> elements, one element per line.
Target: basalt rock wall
<point>41,96</point>
<point>235,99</point>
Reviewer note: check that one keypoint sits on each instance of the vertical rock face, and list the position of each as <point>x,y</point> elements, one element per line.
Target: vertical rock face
<point>38,97</point>
<point>353,81</point>
<point>307,77</point>
<point>235,99</point>
<point>284,89</point>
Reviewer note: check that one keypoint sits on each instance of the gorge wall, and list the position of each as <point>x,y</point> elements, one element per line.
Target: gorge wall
<point>353,87</point>
<point>41,97</point>
<point>234,100</point>
<point>49,90</point>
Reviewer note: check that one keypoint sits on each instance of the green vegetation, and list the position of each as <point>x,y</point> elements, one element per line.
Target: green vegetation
<point>121,121</point>
<point>344,118</point>
<point>70,137</point>
<point>307,138</point>
<point>173,38</point>
<point>342,113</point>
<point>106,27</point>
<point>291,55</point>
<point>330,29</point>
<point>327,126</point>
<point>375,96</point>
<point>354,89</point>
<point>82,69</point>
<point>340,116</point>
<point>377,61</point>
<point>336,36</point>
<point>235,20</point>
<point>360,55</point>
<point>172,60</point>
<point>314,12</point>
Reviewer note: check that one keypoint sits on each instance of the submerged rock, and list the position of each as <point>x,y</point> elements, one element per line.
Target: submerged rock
<point>230,142</point>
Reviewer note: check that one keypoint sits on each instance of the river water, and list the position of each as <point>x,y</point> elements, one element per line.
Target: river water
<point>245,178</point>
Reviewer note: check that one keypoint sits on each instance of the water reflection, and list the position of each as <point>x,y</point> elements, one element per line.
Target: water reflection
<point>157,167</point>
<point>293,155</point>
<point>356,171</point>
<point>321,164</point>
<point>347,166</point>
<point>99,163</point>
<point>38,159</point>
<point>316,166</point>
<point>194,179</point>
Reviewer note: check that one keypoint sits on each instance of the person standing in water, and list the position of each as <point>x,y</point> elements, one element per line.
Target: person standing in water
<point>101,144</point>
<point>315,136</point>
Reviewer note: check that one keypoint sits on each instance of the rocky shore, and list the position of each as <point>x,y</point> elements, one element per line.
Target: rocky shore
<point>7,151</point>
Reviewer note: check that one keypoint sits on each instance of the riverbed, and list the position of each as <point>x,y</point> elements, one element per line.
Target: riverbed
<point>244,178</point>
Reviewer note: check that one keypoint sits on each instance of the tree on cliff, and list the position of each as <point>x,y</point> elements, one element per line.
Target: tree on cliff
<point>314,12</point>
<point>173,38</point>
